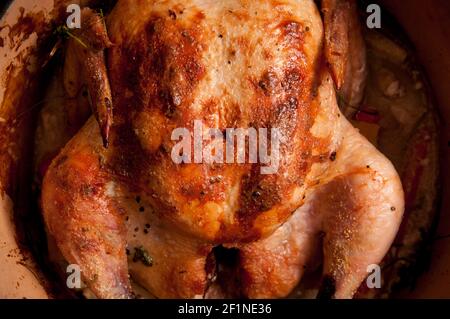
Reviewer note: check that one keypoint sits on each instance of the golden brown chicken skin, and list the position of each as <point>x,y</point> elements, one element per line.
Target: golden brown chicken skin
<point>230,64</point>
<point>236,64</point>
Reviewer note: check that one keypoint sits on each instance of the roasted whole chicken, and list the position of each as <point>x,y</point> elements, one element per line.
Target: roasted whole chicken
<point>116,203</point>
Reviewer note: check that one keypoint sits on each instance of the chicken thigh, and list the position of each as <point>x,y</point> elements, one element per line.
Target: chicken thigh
<point>259,64</point>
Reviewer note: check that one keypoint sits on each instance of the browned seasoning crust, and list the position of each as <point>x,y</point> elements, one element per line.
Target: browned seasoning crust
<point>156,76</point>
<point>249,64</point>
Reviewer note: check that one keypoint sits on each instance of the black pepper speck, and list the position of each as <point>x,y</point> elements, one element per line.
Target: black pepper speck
<point>333,156</point>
